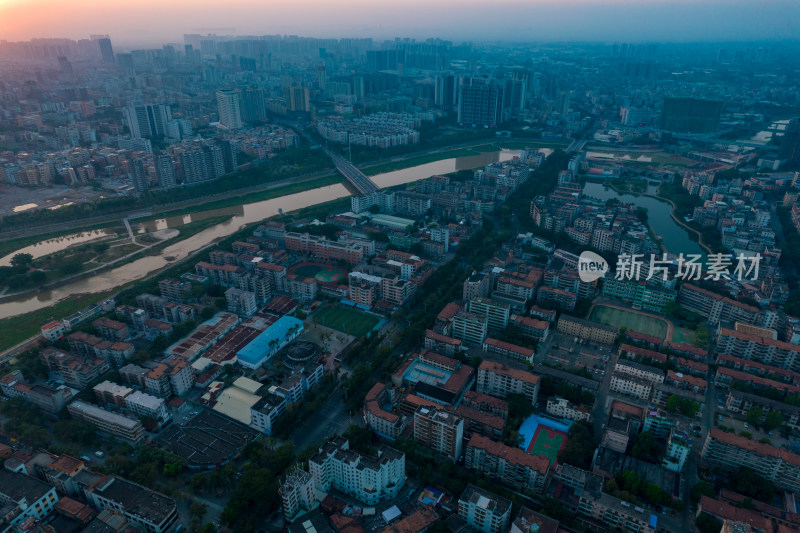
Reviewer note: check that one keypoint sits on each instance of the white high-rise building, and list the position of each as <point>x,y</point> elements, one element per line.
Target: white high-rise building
<point>228,106</point>
<point>369,479</point>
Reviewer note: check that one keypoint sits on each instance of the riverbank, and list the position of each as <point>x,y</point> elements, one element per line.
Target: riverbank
<point>681,223</point>
<point>14,240</point>
<point>185,232</point>
<point>26,327</point>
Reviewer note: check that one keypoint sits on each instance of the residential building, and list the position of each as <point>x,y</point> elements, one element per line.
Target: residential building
<point>498,379</point>
<point>107,422</point>
<point>715,307</point>
<point>378,413</point>
<point>76,371</point>
<point>23,497</point>
<point>148,509</point>
<point>495,313</point>
<point>512,466</point>
<point>631,385</point>
<point>266,411</point>
<point>469,328</point>
<point>562,408</point>
<point>229,108</point>
<point>439,430</point>
<point>586,330</point>
<point>483,510</point>
<point>368,479</point>
<point>730,452</point>
<point>297,493</point>
<point>506,349</point>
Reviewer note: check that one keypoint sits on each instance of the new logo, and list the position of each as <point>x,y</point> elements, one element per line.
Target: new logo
<point>591,266</point>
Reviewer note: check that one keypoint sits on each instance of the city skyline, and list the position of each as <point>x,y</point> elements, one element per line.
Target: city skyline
<point>133,24</point>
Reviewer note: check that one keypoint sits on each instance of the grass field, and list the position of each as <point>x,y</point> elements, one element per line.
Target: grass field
<point>547,442</point>
<point>345,320</point>
<point>324,274</point>
<point>630,320</point>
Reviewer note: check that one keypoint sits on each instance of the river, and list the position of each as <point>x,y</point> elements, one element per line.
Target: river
<point>675,238</point>
<point>239,216</point>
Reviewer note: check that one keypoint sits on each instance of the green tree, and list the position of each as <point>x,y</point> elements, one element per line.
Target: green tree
<point>707,523</point>
<point>645,447</point>
<point>702,337</point>
<point>22,260</point>
<point>773,420</point>
<point>700,489</point>
<point>580,446</point>
<point>754,415</point>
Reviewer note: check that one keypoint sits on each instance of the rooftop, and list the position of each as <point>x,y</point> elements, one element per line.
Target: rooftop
<point>208,439</point>
<point>17,487</point>
<point>136,499</point>
<point>486,500</point>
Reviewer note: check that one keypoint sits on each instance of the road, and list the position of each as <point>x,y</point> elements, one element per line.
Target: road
<point>331,418</point>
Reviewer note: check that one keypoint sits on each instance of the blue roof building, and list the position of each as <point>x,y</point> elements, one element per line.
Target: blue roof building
<point>285,330</point>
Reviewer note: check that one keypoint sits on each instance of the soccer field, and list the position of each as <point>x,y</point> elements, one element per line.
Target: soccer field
<point>630,320</point>
<point>345,320</point>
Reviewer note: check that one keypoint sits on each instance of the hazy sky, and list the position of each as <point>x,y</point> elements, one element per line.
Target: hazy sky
<point>141,22</point>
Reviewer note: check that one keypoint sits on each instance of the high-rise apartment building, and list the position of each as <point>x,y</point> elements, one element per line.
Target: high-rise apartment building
<point>439,430</point>
<point>480,103</point>
<point>147,120</point>
<point>229,108</point>
<point>165,171</point>
<point>139,175</point>
<point>253,108</point>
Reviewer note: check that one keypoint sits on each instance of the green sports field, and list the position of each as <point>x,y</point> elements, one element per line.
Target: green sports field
<point>630,320</point>
<point>345,320</point>
<point>683,335</point>
<point>324,274</point>
<point>547,442</point>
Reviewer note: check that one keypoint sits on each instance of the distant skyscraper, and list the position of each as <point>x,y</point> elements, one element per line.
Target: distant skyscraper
<point>147,120</point>
<point>445,91</point>
<point>253,108</point>
<point>382,59</point>
<point>563,103</point>
<point>139,175</point>
<point>229,155</point>
<point>164,170</point>
<point>480,103</point>
<point>106,51</point>
<point>228,106</point>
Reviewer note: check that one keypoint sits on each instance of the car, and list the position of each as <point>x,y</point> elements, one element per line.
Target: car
<point>719,417</point>
<point>746,425</point>
<point>98,453</point>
